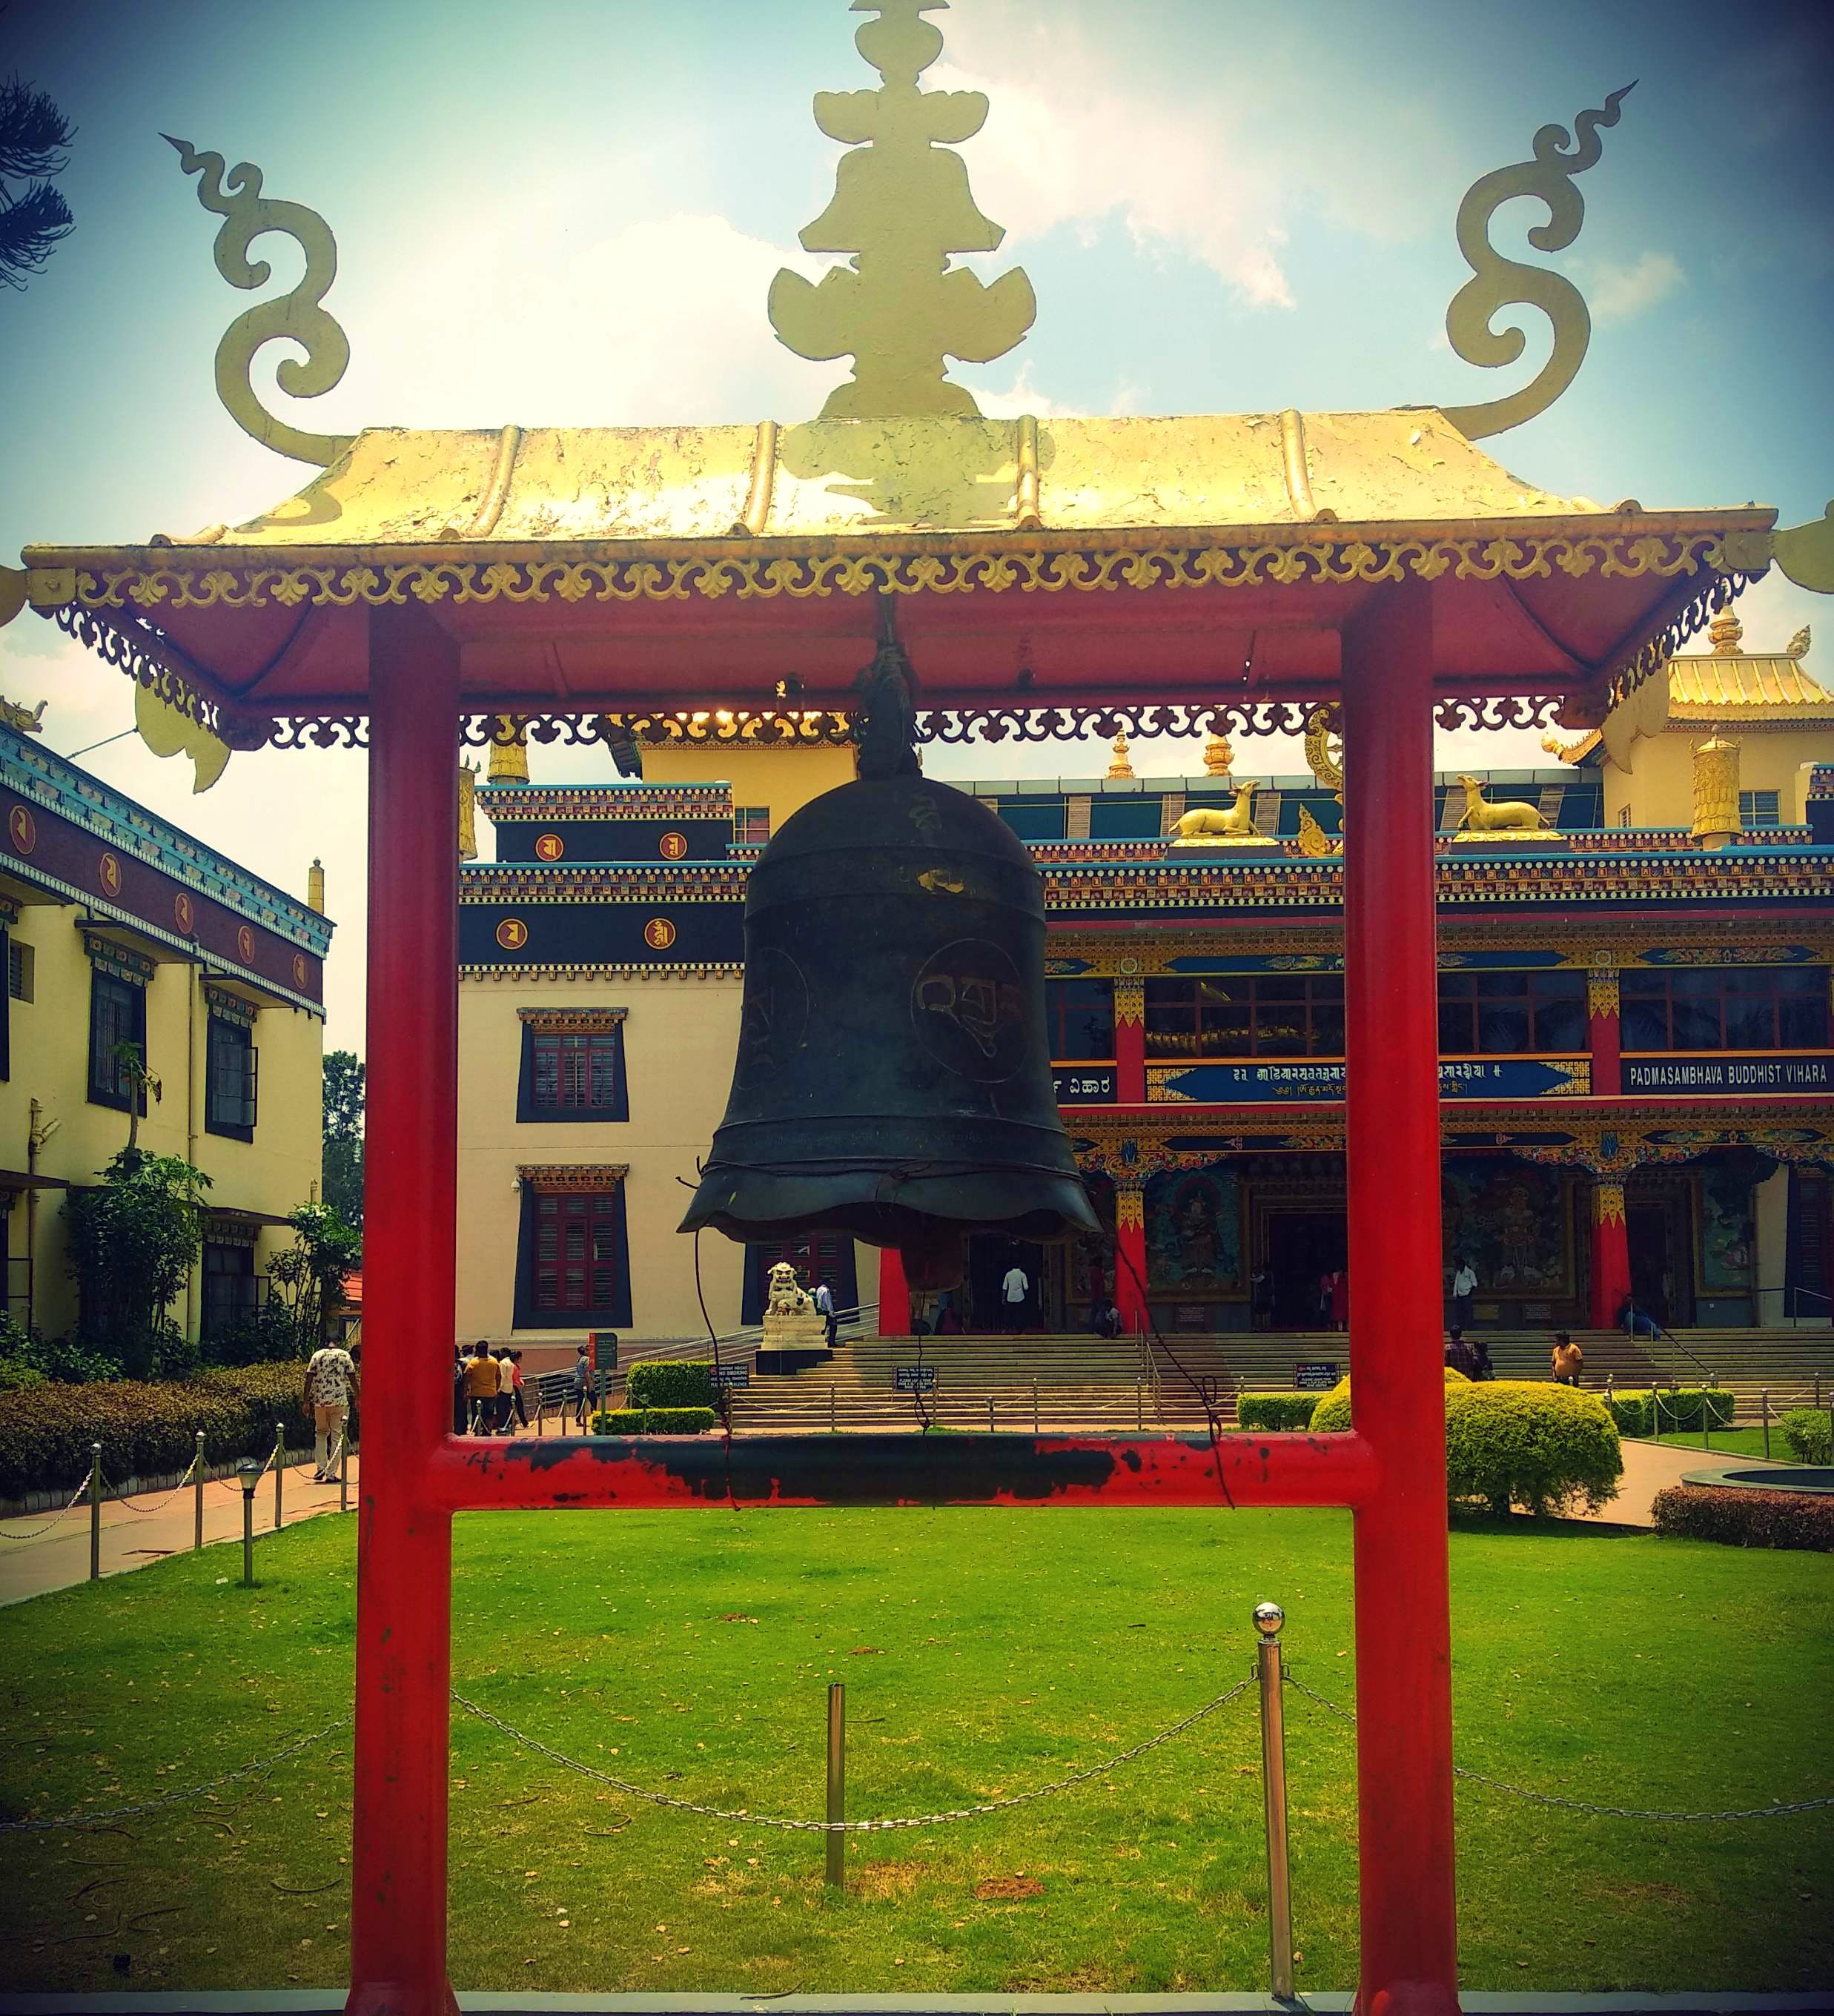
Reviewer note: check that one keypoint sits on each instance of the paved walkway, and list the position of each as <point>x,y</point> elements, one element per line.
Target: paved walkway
<point>1653,1467</point>
<point>53,1556</point>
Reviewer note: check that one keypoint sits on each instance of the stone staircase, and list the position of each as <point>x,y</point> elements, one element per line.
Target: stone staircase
<point>1796,1367</point>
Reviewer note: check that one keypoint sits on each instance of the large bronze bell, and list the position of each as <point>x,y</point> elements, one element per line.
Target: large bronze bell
<point>893,1079</point>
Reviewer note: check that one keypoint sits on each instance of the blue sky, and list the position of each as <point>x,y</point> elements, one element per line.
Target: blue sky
<point>569,213</point>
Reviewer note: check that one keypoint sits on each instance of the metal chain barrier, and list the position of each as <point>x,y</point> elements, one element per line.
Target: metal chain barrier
<point>78,1822</point>
<point>1563,1804</point>
<point>38,1531</point>
<point>854,1827</point>
<point>145,1510</point>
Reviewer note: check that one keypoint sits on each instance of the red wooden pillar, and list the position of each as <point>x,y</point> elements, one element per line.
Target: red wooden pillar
<point>1130,1042</point>
<point>895,1294</point>
<point>1404,1630</point>
<point>1604,1032</point>
<point>404,1570</point>
<point>1130,1255</point>
<point>1610,1251</point>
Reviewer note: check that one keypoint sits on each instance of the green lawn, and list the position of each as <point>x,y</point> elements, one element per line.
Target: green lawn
<point>1727,1441</point>
<point>985,1652</point>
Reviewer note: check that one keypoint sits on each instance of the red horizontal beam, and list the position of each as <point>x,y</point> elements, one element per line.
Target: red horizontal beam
<point>659,1472</point>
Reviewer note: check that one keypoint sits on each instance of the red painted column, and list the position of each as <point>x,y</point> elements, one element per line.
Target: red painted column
<point>1130,1255</point>
<point>1130,1042</point>
<point>404,1569</point>
<point>1605,1032</point>
<point>1611,1252</point>
<point>895,1294</point>
<point>1404,1633</point>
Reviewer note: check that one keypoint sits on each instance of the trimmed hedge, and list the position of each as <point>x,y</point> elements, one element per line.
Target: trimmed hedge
<point>1744,1518</point>
<point>654,1421</point>
<point>670,1382</point>
<point>1681,1409</point>
<point>1806,1435</point>
<point>1516,1442</point>
<point>145,1429</point>
<point>1276,1412</point>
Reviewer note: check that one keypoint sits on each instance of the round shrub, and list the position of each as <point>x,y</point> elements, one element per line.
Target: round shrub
<point>1516,1442</point>
<point>1273,1413</point>
<point>1806,1435</point>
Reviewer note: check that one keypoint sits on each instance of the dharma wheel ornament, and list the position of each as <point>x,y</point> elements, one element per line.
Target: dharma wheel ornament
<point>893,1077</point>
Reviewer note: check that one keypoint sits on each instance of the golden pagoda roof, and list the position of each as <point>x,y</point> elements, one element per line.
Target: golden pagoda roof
<point>404,488</point>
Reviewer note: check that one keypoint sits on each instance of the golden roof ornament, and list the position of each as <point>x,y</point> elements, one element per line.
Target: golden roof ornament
<point>295,318</point>
<point>1122,764</point>
<point>468,811</point>
<point>22,720</point>
<point>1797,646</point>
<point>509,752</point>
<point>1218,758</point>
<point>1725,633</point>
<point>1717,820</point>
<point>901,207</point>
<point>1499,283</point>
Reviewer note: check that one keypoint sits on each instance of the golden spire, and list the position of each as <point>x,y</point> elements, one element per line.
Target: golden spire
<point>468,811</point>
<point>315,886</point>
<point>1122,765</point>
<point>1218,758</point>
<point>508,761</point>
<point>901,205</point>
<point>1725,634</point>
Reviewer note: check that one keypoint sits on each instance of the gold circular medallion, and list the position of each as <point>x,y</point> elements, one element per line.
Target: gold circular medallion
<point>659,934</point>
<point>550,847</point>
<point>512,934</point>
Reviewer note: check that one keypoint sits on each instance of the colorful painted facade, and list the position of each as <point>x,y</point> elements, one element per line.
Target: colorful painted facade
<point>1637,1067</point>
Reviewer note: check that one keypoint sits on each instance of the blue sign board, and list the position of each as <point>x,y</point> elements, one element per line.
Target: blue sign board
<point>1304,1084</point>
<point>1084,1085</point>
<point>1728,1073</point>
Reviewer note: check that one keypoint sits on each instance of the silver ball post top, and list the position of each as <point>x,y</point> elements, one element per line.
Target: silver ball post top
<point>1269,1617</point>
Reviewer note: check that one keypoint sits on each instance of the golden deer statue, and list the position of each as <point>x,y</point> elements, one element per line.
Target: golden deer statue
<point>1513,816</point>
<point>1233,826</point>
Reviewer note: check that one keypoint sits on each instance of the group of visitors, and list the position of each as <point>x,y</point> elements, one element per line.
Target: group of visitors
<point>487,1390</point>
<point>1471,1356</point>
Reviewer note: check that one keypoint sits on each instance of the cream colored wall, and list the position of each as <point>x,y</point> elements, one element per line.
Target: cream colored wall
<point>1660,789</point>
<point>679,1038</point>
<point>784,779</point>
<point>277,1170</point>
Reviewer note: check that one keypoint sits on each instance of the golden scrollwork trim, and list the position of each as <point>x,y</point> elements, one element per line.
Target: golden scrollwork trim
<point>572,1021</point>
<point>553,1178</point>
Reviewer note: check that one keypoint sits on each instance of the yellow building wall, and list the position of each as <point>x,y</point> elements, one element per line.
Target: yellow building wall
<point>783,780</point>
<point>279,1169</point>
<point>1659,791</point>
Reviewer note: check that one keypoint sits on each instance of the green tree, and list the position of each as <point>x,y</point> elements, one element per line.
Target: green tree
<point>308,1276</point>
<point>34,146</point>
<point>134,1239</point>
<point>343,1135</point>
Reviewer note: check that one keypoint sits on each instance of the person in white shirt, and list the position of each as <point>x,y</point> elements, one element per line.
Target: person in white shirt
<point>505,1392</point>
<point>330,1387</point>
<point>1463,1287</point>
<point>824,1308</point>
<point>1014,1289</point>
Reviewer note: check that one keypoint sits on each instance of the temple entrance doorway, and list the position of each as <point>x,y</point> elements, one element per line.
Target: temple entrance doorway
<point>1659,1227</point>
<point>990,1255</point>
<point>1301,1246</point>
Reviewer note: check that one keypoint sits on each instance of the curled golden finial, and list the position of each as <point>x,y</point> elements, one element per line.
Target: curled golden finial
<point>296,317</point>
<point>1501,282</point>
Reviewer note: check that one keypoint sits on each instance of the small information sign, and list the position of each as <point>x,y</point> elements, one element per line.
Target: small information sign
<point>730,1375</point>
<point>604,1348</point>
<point>1317,1375</point>
<point>915,1378</point>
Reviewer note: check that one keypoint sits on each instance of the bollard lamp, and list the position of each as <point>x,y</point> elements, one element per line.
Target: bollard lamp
<point>249,1474</point>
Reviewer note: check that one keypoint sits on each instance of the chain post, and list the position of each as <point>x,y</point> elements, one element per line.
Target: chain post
<point>830,1410</point>
<point>197,1496</point>
<point>835,1875</point>
<point>279,1468</point>
<point>1269,1617</point>
<point>344,1468</point>
<point>1034,1406</point>
<point>990,1413</point>
<point>1139,1407</point>
<point>96,1511</point>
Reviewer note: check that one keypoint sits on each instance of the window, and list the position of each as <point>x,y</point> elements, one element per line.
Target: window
<point>823,1256</point>
<point>1124,818</point>
<point>1262,1016</point>
<point>750,825</point>
<point>573,1271</point>
<point>231,1291</point>
<point>1726,1008</point>
<point>1759,809</point>
<point>118,1015</point>
<point>573,1066</point>
<point>1034,818</point>
<point>1624,815</point>
<point>1489,1014</point>
<point>21,965</point>
<point>229,1078</point>
<point>1080,1014</point>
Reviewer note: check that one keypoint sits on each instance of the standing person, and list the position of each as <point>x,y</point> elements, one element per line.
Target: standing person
<point>1325,1286</point>
<point>1569,1360</point>
<point>1014,1289</point>
<point>515,1388</point>
<point>1481,1352</point>
<point>458,1389</point>
<point>1463,1287</point>
<point>506,1391</point>
<point>1261,1297</point>
<point>480,1388</point>
<point>330,1386</point>
<point>824,1308</point>
<point>580,1392</point>
<point>1340,1299</point>
<point>1459,1355</point>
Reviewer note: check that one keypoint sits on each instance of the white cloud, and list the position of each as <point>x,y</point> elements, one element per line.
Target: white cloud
<point>1618,293</point>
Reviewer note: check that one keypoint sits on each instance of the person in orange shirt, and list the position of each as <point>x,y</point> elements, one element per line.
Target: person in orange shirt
<point>1569,1360</point>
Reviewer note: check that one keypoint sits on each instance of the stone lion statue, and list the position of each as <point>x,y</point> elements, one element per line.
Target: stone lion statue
<point>786,1296</point>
